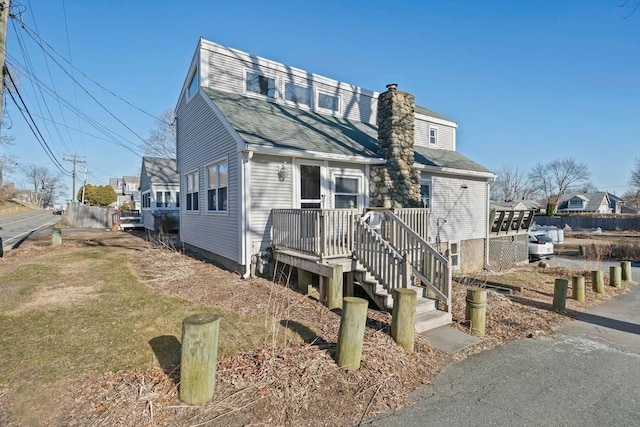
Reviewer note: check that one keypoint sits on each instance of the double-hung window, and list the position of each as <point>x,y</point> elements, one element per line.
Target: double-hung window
<point>347,191</point>
<point>192,191</point>
<point>262,85</point>
<point>454,254</point>
<point>433,136</point>
<point>217,184</point>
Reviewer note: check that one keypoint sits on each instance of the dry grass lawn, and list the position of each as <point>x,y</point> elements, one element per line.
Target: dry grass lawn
<point>90,335</point>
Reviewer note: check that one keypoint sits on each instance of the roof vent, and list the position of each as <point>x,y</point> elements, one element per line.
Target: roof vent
<point>392,86</point>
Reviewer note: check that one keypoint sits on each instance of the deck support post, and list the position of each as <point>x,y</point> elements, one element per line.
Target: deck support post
<point>476,309</point>
<point>305,281</point>
<point>351,333</point>
<point>577,285</point>
<point>560,294</point>
<point>615,276</point>
<point>348,286</point>
<point>199,357</point>
<point>626,270</point>
<point>597,281</point>
<point>56,236</point>
<point>333,289</point>
<point>403,317</point>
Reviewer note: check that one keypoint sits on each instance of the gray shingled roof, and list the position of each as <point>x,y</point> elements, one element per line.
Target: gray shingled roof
<point>446,159</point>
<point>161,170</point>
<point>274,125</point>
<point>431,113</point>
<point>279,126</point>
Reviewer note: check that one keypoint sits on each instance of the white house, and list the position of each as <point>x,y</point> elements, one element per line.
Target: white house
<point>160,194</point>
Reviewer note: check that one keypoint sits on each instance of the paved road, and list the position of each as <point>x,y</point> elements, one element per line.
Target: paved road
<point>587,375</point>
<point>16,228</point>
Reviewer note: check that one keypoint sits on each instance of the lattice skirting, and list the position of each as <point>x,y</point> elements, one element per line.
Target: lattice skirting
<point>506,251</point>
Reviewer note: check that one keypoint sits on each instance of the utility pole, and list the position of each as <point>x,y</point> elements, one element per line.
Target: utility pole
<point>84,185</point>
<point>74,159</point>
<point>4,20</point>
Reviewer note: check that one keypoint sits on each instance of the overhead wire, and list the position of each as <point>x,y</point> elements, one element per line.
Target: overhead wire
<point>22,107</point>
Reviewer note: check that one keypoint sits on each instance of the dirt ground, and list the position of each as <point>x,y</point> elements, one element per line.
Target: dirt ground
<point>298,383</point>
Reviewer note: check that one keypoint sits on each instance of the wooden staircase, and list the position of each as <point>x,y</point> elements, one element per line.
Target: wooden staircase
<point>427,315</point>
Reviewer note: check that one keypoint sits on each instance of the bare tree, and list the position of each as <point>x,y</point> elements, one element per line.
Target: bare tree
<point>7,164</point>
<point>635,175</point>
<point>511,184</point>
<point>554,179</point>
<point>162,137</point>
<point>44,184</point>
<point>587,187</point>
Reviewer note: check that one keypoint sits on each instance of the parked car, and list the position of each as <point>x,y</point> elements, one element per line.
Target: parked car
<point>540,246</point>
<point>57,211</point>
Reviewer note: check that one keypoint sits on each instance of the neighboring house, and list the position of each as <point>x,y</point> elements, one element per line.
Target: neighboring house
<point>598,202</point>
<point>127,191</point>
<point>271,156</point>
<point>619,205</point>
<point>160,193</point>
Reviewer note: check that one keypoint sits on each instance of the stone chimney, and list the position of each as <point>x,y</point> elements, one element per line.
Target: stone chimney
<point>397,183</point>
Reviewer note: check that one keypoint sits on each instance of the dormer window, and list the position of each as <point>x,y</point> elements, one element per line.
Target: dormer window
<point>298,94</point>
<point>262,85</point>
<point>433,136</point>
<point>328,102</point>
<point>576,202</point>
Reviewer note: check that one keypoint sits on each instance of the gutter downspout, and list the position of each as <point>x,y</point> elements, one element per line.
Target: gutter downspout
<point>487,265</point>
<point>245,176</point>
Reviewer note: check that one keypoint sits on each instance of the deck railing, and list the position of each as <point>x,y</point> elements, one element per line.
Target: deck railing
<point>429,266</point>
<point>326,233</point>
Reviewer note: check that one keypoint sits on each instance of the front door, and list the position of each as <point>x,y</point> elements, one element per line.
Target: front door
<point>310,186</point>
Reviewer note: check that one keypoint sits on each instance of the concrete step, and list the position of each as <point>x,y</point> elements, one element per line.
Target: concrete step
<point>431,320</point>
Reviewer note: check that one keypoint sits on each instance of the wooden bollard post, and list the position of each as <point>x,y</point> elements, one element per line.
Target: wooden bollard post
<point>476,309</point>
<point>334,289</point>
<point>615,276</point>
<point>403,324</point>
<point>577,285</point>
<point>582,251</point>
<point>56,236</point>
<point>199,356</point>
<point>560,294</point>
<point>351,333</point>
<point>626,270</point>
<point>597,281</point>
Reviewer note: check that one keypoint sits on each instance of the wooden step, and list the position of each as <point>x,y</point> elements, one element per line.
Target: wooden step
<point>431,320</point>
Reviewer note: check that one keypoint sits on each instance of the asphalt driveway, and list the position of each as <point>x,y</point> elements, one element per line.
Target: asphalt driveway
<point>587,375</point>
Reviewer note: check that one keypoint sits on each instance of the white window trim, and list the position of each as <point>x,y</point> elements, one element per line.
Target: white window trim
<point>186,192</point>
<point>352,174</point>
<point>206,198</point>
<point>171,199</point>
<point>316,102</point>
<point>142,206</point>
<point>435,128</point>
<point>455,255</point>
<point>296,104</point>
<point>276,79</point>
<point>427,181</point>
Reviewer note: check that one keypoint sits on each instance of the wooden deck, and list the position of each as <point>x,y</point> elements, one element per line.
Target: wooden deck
<point>397,255</point>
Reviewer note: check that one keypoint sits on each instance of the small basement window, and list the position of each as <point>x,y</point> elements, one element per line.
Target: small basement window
<point>454,254</point>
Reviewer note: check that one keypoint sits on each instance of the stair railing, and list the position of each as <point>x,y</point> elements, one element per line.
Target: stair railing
<point>428,265</point>
<point>380,259</point>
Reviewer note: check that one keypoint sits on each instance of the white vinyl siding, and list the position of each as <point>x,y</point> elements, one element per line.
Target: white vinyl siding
<point>264,197</point>
<point>226,71</point>
<point>446,135</point>
<point>203,139</point>
<point>464,209</point>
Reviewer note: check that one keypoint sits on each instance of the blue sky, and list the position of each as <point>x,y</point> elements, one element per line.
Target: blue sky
<point>526,81</point>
